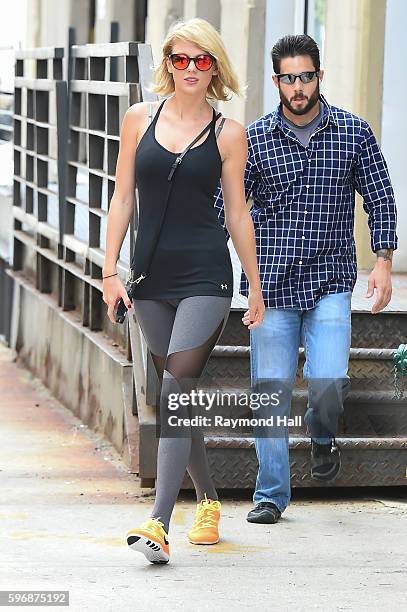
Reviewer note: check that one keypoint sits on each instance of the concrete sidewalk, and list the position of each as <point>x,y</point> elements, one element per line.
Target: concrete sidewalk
<point>67,502</point>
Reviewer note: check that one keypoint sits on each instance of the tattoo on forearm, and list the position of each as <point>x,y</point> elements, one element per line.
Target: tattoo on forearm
<point>387,254</point>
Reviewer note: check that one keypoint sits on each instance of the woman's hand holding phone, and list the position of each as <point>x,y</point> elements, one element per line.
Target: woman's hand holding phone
<point>116,298</point>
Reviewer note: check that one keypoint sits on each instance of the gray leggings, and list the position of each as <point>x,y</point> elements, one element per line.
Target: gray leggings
<point>181,334</point>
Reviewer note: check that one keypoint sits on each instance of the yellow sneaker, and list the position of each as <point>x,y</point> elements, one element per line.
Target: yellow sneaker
<point>152,540</point>
<point>205,527</point>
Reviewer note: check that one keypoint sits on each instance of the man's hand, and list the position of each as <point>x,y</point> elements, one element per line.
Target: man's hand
<point>380,279</point>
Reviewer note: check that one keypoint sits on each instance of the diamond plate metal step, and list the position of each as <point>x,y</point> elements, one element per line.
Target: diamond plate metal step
<point>372,430</point>
<point>369,368</point>
<point>384,330</point>
<point>365,462</point>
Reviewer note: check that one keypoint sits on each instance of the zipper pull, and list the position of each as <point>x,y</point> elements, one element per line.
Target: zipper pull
<point>140,278</point>
<point>174,167</point>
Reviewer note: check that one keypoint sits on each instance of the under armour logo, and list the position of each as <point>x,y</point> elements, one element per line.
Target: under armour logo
<point>224,286</point>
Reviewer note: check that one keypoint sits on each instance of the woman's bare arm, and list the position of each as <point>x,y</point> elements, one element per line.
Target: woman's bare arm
<point>121,206</point>
<point>122,202</point>
<point>237,217</point>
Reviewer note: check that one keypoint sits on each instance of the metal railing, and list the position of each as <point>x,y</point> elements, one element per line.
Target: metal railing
<point>66,141</point>
<point>6,115</point>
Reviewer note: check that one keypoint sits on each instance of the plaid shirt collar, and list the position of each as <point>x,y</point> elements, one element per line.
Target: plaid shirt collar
<point>277,122</point>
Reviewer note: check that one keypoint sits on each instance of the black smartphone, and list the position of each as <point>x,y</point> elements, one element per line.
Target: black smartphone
<point>121,311</point>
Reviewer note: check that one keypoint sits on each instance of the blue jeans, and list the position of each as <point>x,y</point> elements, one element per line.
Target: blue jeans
<point>325,333</point>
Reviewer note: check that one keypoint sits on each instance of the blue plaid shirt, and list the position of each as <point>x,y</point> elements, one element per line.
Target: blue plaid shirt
<point>303,205</point>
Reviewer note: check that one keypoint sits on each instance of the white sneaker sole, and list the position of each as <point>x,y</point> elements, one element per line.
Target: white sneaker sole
<point>151,549</point>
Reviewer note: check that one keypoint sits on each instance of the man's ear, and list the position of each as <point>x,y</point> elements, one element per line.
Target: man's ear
<point>321,74</point>
<point>275,80</point>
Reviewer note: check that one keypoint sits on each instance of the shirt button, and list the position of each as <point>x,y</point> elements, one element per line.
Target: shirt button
<point>303,237</point>
<point>307,186</point>
<point>305,212</point>
<point>300,262</point>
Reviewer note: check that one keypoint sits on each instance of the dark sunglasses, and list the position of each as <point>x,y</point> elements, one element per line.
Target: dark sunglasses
<point>305,77</point>
<point>181,61</point>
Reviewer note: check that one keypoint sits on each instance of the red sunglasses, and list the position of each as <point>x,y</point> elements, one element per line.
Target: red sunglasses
<point>181,61</point>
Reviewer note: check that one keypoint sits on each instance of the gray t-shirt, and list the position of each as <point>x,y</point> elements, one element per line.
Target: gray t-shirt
<point>303,132</point>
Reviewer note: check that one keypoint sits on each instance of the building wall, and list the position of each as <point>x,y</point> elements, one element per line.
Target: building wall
<point>241,25</point>
<point>362,60</point>
<point>281,18</point>
<point>48,22</point>
<point>353,80</point>
<point>114,10</point>
<point>394,128</point>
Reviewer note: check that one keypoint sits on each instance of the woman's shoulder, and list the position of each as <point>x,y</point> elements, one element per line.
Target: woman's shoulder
<point>139,110</point>
<point>232,130</point>
<point>135,117</point>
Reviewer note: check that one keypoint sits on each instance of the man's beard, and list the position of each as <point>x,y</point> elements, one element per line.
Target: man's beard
<point>313,99</point>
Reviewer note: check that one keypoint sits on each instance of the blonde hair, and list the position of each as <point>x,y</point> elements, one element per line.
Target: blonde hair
<point>203,34</point>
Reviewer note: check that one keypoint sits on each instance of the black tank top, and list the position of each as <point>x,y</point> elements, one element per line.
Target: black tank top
<point>191,256</point>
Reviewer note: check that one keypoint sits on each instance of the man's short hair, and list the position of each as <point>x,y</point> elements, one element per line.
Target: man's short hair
<point>293,45</point>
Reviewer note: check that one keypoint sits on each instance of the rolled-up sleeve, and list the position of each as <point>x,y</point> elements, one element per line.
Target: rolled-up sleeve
<point>372,181</point>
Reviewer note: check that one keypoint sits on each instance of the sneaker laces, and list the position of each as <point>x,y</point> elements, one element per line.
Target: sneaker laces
<point>156,526</point>
<point>207,513</point>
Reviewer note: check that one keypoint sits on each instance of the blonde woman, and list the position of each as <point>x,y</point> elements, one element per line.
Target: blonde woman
<point>182,304</point>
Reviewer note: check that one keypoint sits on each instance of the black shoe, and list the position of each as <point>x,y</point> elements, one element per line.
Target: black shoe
<point>264,512</point>
<point>325,460</point>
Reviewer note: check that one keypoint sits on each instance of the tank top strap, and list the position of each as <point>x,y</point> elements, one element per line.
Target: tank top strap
<point>150,112</point>
<point>220,126</point>
<point>159,109</point>
<point>209,127</point>
<point>215,116</point>
<point>214,120</point>
<point>211,124</point>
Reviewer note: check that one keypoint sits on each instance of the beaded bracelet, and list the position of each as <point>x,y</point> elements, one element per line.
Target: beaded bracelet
<point>109,275</point>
